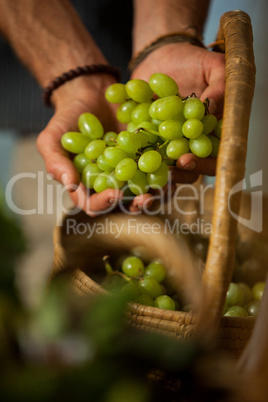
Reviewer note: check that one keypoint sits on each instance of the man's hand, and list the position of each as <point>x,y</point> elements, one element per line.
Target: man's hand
<point>195,70</point>
<point>76,97</point>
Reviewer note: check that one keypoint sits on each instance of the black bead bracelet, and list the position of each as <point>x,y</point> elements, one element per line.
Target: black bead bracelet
<point>77,72</point>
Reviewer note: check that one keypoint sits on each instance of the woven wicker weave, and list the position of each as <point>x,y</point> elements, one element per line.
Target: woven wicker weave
<point>235,29</point>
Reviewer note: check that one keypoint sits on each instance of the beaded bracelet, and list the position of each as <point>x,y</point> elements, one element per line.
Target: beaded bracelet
<point>77,72</point>
<point>174,37</point>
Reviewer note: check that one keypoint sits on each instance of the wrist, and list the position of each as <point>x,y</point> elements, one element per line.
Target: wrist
<point>163,41</point>
<point>79,81</point>
<point>145,40</point>
<point>155,18</point>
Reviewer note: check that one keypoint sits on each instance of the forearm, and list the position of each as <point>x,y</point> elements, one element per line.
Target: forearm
<point>153,18</point>
<point>48,37</point>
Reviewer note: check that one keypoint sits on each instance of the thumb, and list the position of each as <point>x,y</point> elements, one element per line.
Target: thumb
<point>57,162</point>
<point>204,166</point>
<point>215,93</point>
<point>215,78</point>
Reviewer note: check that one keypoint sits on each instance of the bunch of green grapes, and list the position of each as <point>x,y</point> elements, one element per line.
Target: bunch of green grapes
<point>160,127</point>
<point>145,284</point>
<point>141,283</point>
<point>243,300</point>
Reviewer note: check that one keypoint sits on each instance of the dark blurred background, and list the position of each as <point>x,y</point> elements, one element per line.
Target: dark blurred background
<point>21,107</point>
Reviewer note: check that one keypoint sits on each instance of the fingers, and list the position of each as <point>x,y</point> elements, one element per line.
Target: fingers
<point>57,162</point>
<point>191,164</point>
<point>96,203</point>
<point>215,94</point>
<point>141,203</point>
<point>106,201</point>
<point>183,176</point>
<point>215,78</point>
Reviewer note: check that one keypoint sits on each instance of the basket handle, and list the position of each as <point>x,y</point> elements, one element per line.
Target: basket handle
<point>236,31</point>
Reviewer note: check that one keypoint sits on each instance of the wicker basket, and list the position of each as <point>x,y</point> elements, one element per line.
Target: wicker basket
<point>76,250</point>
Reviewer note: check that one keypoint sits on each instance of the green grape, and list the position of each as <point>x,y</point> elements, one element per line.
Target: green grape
<point>201,146</point>
<point>90,126</point>
<point>147,149</point>
<point>165,302</point>
<point>113,182</point>
<point>163,85</point>
<point>124,111</point>
<point>156,122</point>
<point>181,118</point>
<point>138,184</point>
<point>156,270</point>
<point>74,142</point>
<point>258,289</point>
<point>177,148</point>
<point>159,178</point>
<point>116,93</point>
<point>129,142</point>
<point>110,138</point>
<point>94,149</point>
<point>131,291</point>
<point>215,145</point>
<point>143,137</point>
<point>141,113</point>
<point>125,169</point>
<point>163,152</point>
<point>80,161</point>
<point>90,174</point>
<point>234,295</point>
<point>100,183</point>
<point>236,311</point>
<point>149,286</point>
<point>147,137</point>
<point>248,295</point>
<point>209,123</point>
<point>103,165</point>
<point>192,128</point>
<point>193,109</point>
<point>145,300</point>
<point>168,108</point>
<point>253,308</point>
<point>170,129</point>
<point>150,161</point>
<point>218,129</point>
<point>139,90</point>
<point>131,127</point>
<point>150,130</point>
<point>133,266</point>
<point>149,126</point>
<point>113,282</point>
<point>114,155</point>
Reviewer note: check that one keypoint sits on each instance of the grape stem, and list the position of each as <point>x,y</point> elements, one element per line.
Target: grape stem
<point>162,145</point>
<point>107,265</point>
<point>206,104</point>
<point>193,95</point>
<point>127,278</point>
<point>146,130</point>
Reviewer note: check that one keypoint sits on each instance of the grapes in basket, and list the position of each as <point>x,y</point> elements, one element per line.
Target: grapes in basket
<point>141,283</point>
<point>146,284</point>
<point>160,127</point>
